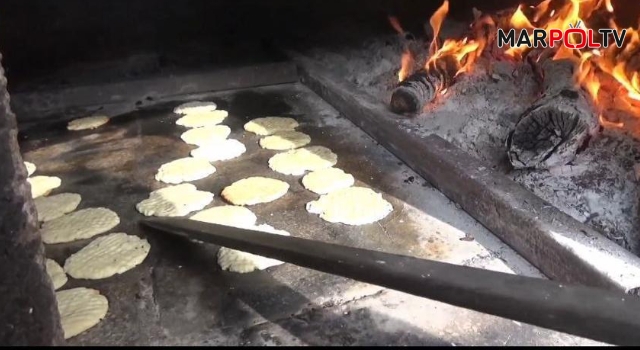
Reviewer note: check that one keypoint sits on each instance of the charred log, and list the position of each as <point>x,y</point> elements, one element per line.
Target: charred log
<point>557,125</point>
<point>423,86</point>
<point>28,308</point>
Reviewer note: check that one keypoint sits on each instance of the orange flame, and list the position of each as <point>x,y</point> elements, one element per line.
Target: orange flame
<point>541,9</point>
<point>608,5</point>
<point>407,64</point>
<point>609,124</point>
<point>586,76</point>
<point>436,23</point>
<point>463,51</point>
<point>519,20</point>
<point>396,25</point>
<point>407,57</point>
<point>607,69</point>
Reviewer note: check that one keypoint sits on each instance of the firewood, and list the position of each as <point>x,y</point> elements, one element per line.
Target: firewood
<point>421,87</point>
<point>552,130</point>
<point>29,311</point>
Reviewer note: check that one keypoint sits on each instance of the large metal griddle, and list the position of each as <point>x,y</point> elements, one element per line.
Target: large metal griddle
<point>114,167</point>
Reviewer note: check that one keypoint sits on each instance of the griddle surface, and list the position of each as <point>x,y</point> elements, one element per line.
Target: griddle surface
<point>180,296</point>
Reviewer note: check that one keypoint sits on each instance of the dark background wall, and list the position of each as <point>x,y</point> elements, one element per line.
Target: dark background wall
<point>38,36</point>
<point>41,35</point>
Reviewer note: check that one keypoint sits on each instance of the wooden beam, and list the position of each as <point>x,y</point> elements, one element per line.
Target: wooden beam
<point>563,248</point>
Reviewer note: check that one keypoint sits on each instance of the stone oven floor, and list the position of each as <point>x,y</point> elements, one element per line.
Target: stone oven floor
<point>179,295</point>
<point>476,114</point>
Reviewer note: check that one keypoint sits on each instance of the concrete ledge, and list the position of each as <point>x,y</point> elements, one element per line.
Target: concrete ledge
<point>562,248</point>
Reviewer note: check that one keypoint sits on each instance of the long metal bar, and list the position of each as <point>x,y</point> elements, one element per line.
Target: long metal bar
<point>597,314</point>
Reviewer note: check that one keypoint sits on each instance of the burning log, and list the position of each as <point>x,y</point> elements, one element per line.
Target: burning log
<point>29,310</point>
<point>411,94</point>
<point>445,62</point>
<point>557,125</point>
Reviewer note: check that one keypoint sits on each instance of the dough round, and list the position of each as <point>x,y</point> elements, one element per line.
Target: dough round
<point>221,150</point>
<point>31,168</point>
<point>270,125</point>
<point>43,185</point>
<point>194,107</point>
<point>206,134</point>
<point>88,122</point>
<point>228,215</point>
<point>81,224</point>
<point>184,170</point>
<point>178,200</point>
<point>243,262</point>
<point>53,207</point>
<point>106,256</point>
<point>351,206</point>
<point>56,273</point>
<point>80,309</point>
<point>327,180</point>
<point>202,118</point>
<point>298,161</point>
<point>254,190</point>
<point>285,140</point>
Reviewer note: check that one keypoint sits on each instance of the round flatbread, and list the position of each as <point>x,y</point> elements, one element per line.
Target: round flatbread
<point>327,180</point>
<point>195,107</point>
<point>202,118</point>
<point>56,273</point>
<point>53,207</point>
<point>31,168</point>
<point>184,170</point>
<point>80,309</point>
<point>106,256</point>
<point>298,161</point>
<point>254,190</point>
<point>228,215</point>
<point>206,134</point>
<point>270,125</point>
<point>87,123</point>
<point>351,206</point>
<point>285,140</point>
<point>242,262</point>
<point>221,150</point>
<point>178,200</point>
<point>43,185</point>
<point>81,224</point>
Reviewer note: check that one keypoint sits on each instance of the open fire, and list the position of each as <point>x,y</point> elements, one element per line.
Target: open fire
<point>562,117</point>
<point>609,66</point>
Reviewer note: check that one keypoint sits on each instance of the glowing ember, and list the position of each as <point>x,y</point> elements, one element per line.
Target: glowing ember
<point>596,70</point>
